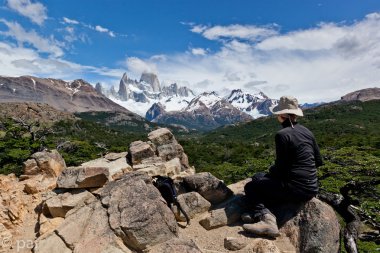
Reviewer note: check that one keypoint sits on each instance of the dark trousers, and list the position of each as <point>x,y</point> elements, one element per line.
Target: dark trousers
<point>264,192</point>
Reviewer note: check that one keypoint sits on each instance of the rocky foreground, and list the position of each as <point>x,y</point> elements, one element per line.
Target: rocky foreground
<point>110,205</point>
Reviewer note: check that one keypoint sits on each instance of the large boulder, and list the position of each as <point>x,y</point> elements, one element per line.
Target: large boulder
<point>192,204</point>
<point>312,226</point>
<point>139,151</point>
<point>210,187</point>
<point>50,164</point>
<point>42,170</point>
<point>137,212</point>
<point>85,229</point>
<point>116,163</point>
<point>129,214</point>
<point>83,177</point>
<point>167,146</point>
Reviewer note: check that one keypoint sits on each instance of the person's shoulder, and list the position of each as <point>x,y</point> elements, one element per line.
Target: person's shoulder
<point>304,129</point>
<point>284,132</point>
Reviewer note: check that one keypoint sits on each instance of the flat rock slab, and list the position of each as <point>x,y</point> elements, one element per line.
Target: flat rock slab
<point>83,177</point>
<point>59,205</point>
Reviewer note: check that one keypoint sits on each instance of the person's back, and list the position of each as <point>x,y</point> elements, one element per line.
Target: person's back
<point>297,156</point>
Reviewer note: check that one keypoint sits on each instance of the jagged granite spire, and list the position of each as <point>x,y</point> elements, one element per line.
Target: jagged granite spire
<point>174,90</point>
<point>151,79</point>
<point>123,92</point>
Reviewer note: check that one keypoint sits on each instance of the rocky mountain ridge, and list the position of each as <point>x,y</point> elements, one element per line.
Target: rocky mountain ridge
<point>75,96</point>
<point>363,95</point>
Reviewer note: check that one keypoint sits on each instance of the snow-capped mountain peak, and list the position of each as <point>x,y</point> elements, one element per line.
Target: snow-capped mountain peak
<point>256,105</point>
<point>140,96</point>
<point>206,99</point>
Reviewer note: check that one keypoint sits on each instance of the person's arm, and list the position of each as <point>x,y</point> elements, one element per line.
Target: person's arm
<point>279,168</point>
<point>317,154</point>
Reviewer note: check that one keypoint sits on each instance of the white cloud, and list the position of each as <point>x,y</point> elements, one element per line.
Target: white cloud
<point>198,28</point>
<point>245,32</point>
<point>137,66</point>
<point>70,21</point>
<point>36,12</point>
<point>17,61</point>
<point>101,29</point>
<point>198,51</point>
<point>44,45</point>
<point>318,64</point>
<point>97,28</point>
<point>104,30</point>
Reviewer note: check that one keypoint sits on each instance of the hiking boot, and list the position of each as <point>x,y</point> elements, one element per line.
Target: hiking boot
<point>266,227</point>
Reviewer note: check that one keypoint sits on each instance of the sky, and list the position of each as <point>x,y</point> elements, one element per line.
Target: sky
<point>315,50</point>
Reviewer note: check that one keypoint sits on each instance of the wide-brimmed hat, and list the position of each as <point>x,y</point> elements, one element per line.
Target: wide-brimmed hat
<point>287,105</point>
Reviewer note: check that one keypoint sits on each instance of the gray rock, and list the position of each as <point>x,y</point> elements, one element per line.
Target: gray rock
<point>192,203</point>
<point>170,151</point>
<point>83,177</point>
<point>139,151</point>
<point>116,163</point>
<point>30,167</point>
<point>161,136</point>
<point>266,246</point>
<point>50,163</point>
<point>233,244</point>
<point>154,167</point>
<point>226,213</point>
<point>41,172</point>
<point>87,230</point>
<point>311,227</point>
<point>51,243</point>
<point>176,245</point>
<point>167,146</point>
<point>115,156</point>
<point>363,95</point>
<point>59,205</point>
<point>137,212</point>
<point>210,187</point>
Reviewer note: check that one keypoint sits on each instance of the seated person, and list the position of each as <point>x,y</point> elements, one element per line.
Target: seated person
<point>292,178</point>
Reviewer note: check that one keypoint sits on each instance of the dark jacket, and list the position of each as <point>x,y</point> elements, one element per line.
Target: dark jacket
<point>297,159</point>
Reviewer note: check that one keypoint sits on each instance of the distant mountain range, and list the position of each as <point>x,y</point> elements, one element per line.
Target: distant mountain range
<point>179,105</point>
<point>151,101</point>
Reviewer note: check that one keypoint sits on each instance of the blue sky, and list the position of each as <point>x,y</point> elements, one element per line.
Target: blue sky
<point>314,50</point>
